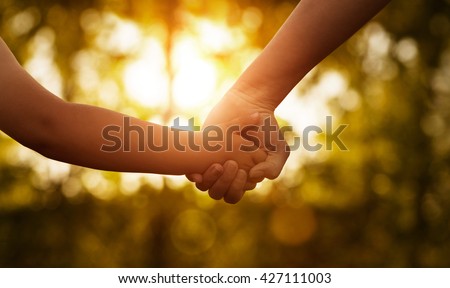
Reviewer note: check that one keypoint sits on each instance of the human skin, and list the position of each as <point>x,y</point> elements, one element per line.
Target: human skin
<point>313,30</point>
<point>74,133</point>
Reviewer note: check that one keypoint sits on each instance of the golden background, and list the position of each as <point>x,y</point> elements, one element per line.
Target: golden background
<point>383,203</point>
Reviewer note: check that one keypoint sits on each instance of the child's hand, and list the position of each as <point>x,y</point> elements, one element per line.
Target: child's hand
<point>244,151</point>
<point>242,156</point>
<point>218,179</point>
<point>246,155</point>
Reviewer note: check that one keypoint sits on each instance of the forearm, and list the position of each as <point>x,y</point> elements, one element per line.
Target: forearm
<point>313,30</point>
<point>102,139</point>
<point>78,134</point>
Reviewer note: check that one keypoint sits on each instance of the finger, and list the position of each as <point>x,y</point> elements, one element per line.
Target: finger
<point>236,190</point>
<point>250,186</point>
<point>278,153</point>
<point>220,187</point>
<point>210,176</point>
<point>256,179</point>
<point>271,168</point>
<point>197,178</point>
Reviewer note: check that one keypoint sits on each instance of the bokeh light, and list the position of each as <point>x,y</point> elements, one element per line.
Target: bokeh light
<point>382,203</point>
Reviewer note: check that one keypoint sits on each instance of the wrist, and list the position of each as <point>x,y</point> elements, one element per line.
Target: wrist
<point>250,98</point>
<point>212,147</point>
<point>195,156</point>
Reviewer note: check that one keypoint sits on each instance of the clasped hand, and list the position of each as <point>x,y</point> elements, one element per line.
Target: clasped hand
<point>229,181</point>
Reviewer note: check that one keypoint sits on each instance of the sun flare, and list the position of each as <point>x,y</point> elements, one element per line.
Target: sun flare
<point>146,77</point>
<point>195,77</point>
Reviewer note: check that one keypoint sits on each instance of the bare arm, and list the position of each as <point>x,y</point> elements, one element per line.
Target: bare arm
<point>313,30</point>
<point>74,133</point>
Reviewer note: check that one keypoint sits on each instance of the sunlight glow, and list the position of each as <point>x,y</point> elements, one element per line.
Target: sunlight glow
<point>95,182</point>
<point>175,182</point>
<point>120,36</point>
<point>45,171</point>
<point>252,18</point>
<point>41,64</point>
<point>130,183</point>
<point>406,50</point>
<point>215,37</point>
<point>311,108</point>
<point>85,64</point>
<point>155,181</point>
<point>108,93</point>
<point>146,78</point>
<point>24,21</point>
<point>195,77</point>
<point>379,44</point>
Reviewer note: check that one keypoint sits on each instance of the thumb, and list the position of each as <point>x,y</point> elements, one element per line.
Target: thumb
<point>197,178</point>
<point>271,167</point>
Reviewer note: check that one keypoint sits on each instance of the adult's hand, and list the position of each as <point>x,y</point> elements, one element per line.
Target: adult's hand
<point>306,37</point>
<point>227,181</point>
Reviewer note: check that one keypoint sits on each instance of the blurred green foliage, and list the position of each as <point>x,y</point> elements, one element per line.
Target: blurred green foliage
<point>384,203</point>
